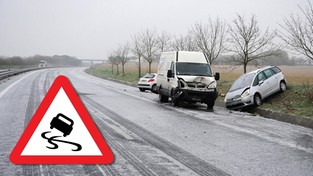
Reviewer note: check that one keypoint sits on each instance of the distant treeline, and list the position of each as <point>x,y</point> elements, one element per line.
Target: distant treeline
<point>281,59</point>
<point>56,60</point>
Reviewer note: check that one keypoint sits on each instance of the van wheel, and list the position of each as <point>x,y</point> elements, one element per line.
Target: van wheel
<point>257,100</point>
<point>283,86</point>
<point>175,102</point>
<point>210,105</point>
<point>163,98</point>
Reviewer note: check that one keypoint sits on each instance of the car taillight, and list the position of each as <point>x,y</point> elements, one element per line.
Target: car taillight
<point>151,80</point>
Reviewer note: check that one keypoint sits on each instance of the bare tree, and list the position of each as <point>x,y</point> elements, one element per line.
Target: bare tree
<point>114,60</point>
<point>210,38</point>
<point>297,31</point>
<point>164,40</point>
<point>248,43</point>
<point>137,50</point>
<point>150,46</point>
<point>122,54</point>
<point>184,43</point>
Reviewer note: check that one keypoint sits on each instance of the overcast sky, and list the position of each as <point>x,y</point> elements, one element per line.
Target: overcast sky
<point>90,29</point>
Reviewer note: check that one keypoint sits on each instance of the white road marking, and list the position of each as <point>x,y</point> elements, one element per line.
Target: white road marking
<point>12,85</point>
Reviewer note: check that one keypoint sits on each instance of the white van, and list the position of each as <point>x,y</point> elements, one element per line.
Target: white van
<point>186,76</point>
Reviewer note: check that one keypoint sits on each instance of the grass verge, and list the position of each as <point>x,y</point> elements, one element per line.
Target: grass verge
<point>131,77</point>
<point>297,100</point>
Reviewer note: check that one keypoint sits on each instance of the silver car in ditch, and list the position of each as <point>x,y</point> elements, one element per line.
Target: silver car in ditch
<point>251,88</point>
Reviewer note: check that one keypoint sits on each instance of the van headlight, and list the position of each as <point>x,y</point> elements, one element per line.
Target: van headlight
<point>212,85</point>
<point>245,93</point>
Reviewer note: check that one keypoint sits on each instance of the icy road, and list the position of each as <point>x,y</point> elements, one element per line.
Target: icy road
<point>149,138</point>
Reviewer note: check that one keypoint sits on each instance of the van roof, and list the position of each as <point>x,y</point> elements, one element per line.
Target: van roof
<point>189,56</point>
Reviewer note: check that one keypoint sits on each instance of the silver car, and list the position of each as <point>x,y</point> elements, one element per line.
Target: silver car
<point>148,82</point>
<point>251,88</point>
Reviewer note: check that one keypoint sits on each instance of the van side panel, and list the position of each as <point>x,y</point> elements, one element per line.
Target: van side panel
<point>166,59</point>
<point>165,62</point>
<point>164,65</point>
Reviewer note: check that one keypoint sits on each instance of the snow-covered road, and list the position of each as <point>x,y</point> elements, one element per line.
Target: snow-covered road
<point>150,138</point>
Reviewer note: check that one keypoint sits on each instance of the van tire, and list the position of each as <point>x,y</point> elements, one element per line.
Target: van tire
<point>175,102</point>
<point>210,105</point>
<point>163,98</point>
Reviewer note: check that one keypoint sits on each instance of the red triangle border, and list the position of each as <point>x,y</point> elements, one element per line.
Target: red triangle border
<point>62,81</point>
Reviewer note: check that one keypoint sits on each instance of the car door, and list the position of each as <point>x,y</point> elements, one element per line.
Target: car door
<point>278,77</point>
<point>263,85</point>
<point>271,81</point>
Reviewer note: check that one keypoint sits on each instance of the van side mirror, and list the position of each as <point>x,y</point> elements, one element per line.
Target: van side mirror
<point>169,73</point>
<point>217,76</point>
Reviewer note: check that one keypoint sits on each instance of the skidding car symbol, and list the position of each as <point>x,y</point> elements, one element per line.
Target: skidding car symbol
<point>62,123</point>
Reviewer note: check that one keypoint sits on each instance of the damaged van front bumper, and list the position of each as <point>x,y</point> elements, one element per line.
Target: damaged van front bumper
<point>190,95</point>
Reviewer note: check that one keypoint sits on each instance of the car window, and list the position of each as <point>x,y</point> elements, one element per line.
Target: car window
<point>148,75</point>
<point>261,77</point>
<point>276,69</point>
<point>268,73</point>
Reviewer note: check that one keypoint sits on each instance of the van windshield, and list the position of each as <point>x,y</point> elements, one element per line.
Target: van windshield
<point>194,69</point>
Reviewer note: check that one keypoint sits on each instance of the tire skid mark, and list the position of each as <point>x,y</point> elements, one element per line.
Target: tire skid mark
<point>94,170</point>
<point>192,162</point>
<point>33,101</point>
<point>46,83</point>
<point>142,167</point>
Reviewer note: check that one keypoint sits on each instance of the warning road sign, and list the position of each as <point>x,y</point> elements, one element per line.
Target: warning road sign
<point>61,132</point>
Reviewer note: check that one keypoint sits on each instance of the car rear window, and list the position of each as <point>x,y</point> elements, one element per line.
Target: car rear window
<point>276,70</point>
<point>148,75</point>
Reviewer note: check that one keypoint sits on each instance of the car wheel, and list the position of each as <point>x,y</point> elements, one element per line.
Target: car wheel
<point>257,100</point>
<point>163,98</point>
<point>154,88</point>
<point>142,90</point>
<point>283,86</point>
